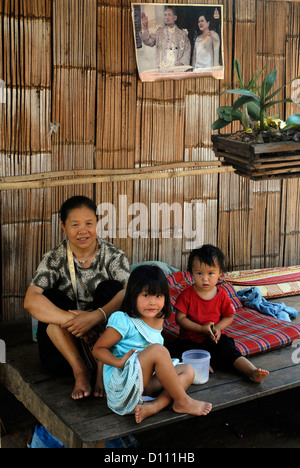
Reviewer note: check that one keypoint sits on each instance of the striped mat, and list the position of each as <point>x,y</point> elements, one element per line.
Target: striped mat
<point>272,282</point>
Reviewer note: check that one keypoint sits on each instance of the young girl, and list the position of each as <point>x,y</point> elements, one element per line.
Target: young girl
<point>204,310</point>
<point>135,361</point>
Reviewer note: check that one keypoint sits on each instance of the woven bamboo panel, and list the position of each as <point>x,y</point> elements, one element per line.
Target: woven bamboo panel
<point>74,90</point>
<point>290,221</point>
<point>73,101</point>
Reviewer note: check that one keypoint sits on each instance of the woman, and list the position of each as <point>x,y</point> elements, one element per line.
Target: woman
<point>76,287</point>
<point>207,46</point>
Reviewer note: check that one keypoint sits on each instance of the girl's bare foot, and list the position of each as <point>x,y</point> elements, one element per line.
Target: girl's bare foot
<point>82,387</point>
<point>99,391</point>
<point>259,375</point>
<point>142,412</point>
<point>191,406</point>
<point>197,408</point>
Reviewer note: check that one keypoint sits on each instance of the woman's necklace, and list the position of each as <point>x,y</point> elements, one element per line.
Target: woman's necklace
<point>82,262</point>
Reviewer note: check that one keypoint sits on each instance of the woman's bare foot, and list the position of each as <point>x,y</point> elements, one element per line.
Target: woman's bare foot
<point>191,406</point>
<point>82,387</point>
<point>259,375</point>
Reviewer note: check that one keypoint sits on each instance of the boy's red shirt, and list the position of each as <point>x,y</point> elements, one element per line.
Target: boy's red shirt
<point>203,311</point>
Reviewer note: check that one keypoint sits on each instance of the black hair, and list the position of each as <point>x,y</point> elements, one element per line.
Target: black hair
<point>169,7</point>
<point>208,254</point>
<point>76,202</point>
<point>148,278</point>
<point>207,18</point>
<point>206,12</point>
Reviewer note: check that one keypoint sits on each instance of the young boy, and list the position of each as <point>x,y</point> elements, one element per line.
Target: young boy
<point>204,310</point>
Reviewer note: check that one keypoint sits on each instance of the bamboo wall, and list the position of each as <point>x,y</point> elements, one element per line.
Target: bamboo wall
<point>73,101</point>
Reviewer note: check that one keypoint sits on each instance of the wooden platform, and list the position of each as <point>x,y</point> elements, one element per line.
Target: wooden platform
<point>88,422</point>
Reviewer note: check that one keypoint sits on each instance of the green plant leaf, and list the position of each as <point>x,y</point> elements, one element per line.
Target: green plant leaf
<point>270,104</point>
<point>241,101</point>
<point>236,115</point>
<point>289,126</point>
<point>267,84</point>
<point>218,124</point>
<point>294,119</point>
<point>293,122</point>
<point>237,67</point>
<point>224,110</point>
<point>254,110</point>
<point>227,114</point>
<point>255,78</point>
<point>243,92</point>
<point>282,87</point>
<point>254,100</point>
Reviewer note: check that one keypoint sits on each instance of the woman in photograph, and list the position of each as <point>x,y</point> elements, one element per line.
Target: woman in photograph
<point>207,45</point>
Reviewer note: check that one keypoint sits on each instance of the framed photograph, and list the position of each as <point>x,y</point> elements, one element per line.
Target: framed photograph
<point>178,41</point>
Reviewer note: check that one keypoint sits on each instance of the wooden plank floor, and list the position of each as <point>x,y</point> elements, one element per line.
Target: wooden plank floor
<point>88,422</point>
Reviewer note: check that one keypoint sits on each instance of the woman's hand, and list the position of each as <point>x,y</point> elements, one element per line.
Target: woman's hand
<point>81,323</point>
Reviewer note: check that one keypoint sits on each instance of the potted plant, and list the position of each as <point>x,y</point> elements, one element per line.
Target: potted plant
<point>267,146</point>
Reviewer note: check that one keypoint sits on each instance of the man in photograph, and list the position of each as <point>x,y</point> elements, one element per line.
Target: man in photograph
<point>173,47</point>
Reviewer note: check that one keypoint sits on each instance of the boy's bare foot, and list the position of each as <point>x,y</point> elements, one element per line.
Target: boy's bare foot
<point>259,375</point>
<point>191,406</point>
<point>82,387</point>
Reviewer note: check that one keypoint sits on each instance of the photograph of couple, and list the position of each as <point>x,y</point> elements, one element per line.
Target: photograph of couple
<point>178,41</point>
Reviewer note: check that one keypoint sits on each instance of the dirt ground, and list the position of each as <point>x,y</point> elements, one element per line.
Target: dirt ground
<point>272,422</point>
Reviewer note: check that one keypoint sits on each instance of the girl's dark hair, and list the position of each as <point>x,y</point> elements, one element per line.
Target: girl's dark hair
<point>76,202</point>
<point>149,278</point>
<point>208,254</point>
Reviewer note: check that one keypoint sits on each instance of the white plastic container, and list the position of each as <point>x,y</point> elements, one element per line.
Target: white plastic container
<point>200,360</point>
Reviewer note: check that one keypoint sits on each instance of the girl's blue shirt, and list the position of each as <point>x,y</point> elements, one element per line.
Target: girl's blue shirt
<point>136,334</point>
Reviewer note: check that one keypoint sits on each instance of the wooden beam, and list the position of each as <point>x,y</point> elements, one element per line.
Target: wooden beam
<point>64,178</point>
